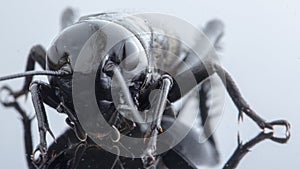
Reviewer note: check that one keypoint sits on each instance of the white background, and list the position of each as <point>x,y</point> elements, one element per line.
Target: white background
<point>261,50</point>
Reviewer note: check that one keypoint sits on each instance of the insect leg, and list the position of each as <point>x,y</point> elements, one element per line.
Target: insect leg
<point>242,105</point>
<point>43,125</point>
<point>37,54</point>
<point>166,86</point>
<point>48,97</point>
<point>203,71</point>
<point>155,127</point>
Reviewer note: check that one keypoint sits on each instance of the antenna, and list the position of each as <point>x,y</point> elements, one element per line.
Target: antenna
<point>32,73</point>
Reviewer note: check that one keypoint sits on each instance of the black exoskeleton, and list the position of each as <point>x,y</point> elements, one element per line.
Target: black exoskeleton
<point>59,62</point>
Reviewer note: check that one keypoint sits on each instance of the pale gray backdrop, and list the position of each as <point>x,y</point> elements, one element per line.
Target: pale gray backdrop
<point>261,50</point>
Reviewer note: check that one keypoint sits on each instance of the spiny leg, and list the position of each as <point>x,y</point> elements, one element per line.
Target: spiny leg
<point>242,105</point>
<point>37,54</point>
<point>48,96</point>
<point>160,108</point>
<point>155,127</point>
<point>43,125</point>
<point>204,70</point>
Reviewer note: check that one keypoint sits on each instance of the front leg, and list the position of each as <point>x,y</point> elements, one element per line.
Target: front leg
<point>204,70</point>
<point>242,105</point>
<point>155,127</point>
<point>43,125</point>
<point>43,93</point>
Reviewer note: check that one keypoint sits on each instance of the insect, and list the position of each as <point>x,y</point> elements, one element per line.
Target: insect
<point>126,74</point>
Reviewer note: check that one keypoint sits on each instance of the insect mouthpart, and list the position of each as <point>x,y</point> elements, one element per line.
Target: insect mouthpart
<point>67,68</point>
